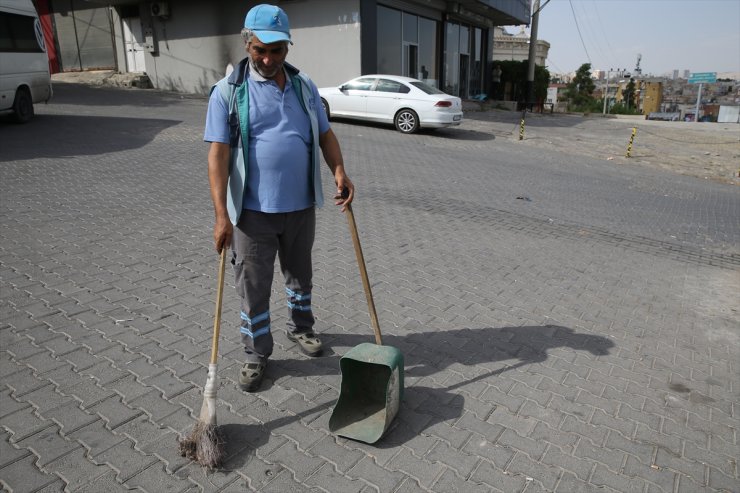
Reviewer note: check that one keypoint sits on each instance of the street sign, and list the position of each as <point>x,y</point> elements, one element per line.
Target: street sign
<point>703,78</point>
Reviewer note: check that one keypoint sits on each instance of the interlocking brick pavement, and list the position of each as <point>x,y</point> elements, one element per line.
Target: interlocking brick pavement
<point>569,323</point>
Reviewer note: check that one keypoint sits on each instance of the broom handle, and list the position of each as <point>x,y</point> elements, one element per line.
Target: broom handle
<point>219,298</point>
<point>363,274</point>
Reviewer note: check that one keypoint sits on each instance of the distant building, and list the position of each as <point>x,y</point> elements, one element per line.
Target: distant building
<point>686,74</point>
<point>651,96</point>
<point>516,46</point>
<point>675,74</point>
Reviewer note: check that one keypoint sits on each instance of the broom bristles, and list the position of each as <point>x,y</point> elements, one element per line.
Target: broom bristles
<point>205,445</point>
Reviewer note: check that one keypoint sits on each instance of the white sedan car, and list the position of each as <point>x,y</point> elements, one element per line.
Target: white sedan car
<point>407,103</point>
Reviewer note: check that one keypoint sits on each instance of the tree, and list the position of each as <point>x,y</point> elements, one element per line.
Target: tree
<point>515,74</point>
<point>628,94</point>
<point>581,88</point>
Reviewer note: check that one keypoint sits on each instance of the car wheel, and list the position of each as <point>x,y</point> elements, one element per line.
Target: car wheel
<point>407,121</point>
<point>22,105</point>
<point>325,105</point>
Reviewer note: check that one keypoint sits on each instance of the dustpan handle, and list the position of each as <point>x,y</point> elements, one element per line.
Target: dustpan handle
<point>363,274</point>
<point>219,298</point>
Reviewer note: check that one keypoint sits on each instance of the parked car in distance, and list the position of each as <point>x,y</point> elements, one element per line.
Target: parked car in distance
<point>407,103</point>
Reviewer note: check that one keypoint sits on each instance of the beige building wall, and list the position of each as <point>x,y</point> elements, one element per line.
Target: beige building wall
<point>516,46</point>
<point>652,96</point>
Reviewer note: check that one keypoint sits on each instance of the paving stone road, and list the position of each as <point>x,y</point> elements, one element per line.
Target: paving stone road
<point>569,323</point>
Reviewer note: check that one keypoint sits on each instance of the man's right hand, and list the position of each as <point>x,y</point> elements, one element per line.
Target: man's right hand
<point>222,233</point>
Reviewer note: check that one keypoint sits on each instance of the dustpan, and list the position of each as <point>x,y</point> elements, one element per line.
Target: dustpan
<point>372,375</point>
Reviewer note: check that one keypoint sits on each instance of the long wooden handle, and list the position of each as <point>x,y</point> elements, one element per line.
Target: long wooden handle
<point>219,299</point>
<point>363,274</point>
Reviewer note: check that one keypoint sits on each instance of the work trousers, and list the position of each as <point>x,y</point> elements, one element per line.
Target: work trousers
<point>257,238</point>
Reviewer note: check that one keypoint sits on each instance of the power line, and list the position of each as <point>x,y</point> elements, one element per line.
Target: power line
<point>601,25</point>
<point>554,66</point>
<point>590,30</point>
<point>579,30</point>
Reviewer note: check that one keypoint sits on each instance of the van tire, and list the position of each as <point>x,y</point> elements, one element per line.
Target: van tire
<point>22,105</point>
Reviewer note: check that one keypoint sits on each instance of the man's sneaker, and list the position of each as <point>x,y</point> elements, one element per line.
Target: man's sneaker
<point>307,341</point>
<point>250,376</point>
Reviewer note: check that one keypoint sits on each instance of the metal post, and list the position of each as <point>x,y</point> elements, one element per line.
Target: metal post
<point>532,52</point>
<point>521,125</point>
<point>606,91</point>
<point>632,140</point>
<point>698,100</point>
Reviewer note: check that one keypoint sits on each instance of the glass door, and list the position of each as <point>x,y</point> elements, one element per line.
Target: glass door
<point>411,61</point>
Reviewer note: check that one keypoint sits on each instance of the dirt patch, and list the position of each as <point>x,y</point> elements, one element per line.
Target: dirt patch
<point>704,150</point>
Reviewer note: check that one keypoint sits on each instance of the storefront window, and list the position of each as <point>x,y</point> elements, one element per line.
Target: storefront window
<point>410,54</point>
<point>452,55</point>
<point>476,66</point>
<point>410,28</point>
<point>463,60</point>
<point>428,36</point>
<point>407,45</point>
<point>389,41</point>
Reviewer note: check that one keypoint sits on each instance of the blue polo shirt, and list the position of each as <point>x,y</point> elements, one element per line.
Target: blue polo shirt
<point>278,178</point>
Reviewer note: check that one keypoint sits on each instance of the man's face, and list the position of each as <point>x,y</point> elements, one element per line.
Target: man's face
<point>267,59</point>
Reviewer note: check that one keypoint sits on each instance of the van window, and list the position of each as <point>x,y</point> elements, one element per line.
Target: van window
<point>18,34</point>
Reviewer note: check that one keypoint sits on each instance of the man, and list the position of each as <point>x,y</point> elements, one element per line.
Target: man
<point>265,125</point>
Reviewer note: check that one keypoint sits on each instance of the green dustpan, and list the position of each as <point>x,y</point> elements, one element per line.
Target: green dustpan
<point>372,389</point>
<point>372,376</point>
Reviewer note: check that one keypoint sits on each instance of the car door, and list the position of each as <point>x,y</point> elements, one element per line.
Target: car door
<point>352,98</point>
<point>385,99</point>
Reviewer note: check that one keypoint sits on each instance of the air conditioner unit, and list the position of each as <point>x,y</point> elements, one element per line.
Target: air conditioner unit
<point>159,9</point>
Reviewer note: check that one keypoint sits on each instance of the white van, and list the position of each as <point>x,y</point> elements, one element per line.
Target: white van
<point>24,65</point>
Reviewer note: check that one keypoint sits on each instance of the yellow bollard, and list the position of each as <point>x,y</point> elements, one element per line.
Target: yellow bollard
<point>632,139</point>
<point>521,130</point>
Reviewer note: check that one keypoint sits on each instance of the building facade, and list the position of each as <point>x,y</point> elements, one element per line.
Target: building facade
<point>515,47</point>
<point>187,45</point>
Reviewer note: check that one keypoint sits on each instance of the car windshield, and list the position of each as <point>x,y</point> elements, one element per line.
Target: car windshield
<point>359,84</point>
<point>427,88</point>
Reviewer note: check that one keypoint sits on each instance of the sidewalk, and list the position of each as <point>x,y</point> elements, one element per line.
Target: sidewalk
<point>585,340</point>
<point>103,78</point>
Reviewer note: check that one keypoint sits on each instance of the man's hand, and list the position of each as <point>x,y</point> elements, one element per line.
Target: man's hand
<point>222,233</point>
<point>333,157</point>
<point>345,191</point>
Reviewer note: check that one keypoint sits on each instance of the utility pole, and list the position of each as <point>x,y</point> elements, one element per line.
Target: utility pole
<point>698,102</point>
<point>606,91</point>
<point>532,52</point>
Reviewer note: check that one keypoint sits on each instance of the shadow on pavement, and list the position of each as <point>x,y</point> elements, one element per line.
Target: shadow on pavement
<point>451,133</point>
<point>88,95</point>
<point>77,135</point>
<point>426,354</point>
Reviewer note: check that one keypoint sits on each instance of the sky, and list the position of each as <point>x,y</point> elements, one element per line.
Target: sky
<point>695,35</point>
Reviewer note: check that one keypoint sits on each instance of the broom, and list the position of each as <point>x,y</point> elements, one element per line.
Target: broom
<point>205,444</point>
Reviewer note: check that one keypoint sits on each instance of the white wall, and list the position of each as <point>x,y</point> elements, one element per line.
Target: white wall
<point>198,40</point>
<point>729,114</point>
<point>194,45</point>
<point>326,37</point>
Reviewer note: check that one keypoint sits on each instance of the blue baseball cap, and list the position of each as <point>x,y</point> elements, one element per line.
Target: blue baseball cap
<point>269,23</point>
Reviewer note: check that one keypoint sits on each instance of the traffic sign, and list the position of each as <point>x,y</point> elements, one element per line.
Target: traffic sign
<point>703,78</point>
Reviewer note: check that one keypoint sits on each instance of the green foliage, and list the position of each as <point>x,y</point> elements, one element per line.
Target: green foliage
<point>515,72</point>
<point>580,90</point>
<point>628,94</point>
<point>622,109</point>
